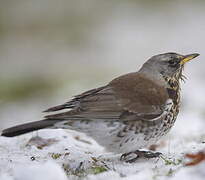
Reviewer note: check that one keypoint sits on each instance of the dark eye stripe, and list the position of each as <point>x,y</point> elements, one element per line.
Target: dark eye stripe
<point>172,62</point>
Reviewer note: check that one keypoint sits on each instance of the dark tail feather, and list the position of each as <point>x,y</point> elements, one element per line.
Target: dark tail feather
<point>28,127</point>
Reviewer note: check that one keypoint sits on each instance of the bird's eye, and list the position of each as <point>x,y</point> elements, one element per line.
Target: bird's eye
<point>172,62</point>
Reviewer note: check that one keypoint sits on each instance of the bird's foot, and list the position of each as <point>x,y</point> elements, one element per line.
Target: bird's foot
<point>127,157</point>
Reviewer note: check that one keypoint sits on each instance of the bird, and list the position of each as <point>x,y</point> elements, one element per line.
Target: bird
<point>130,113</point>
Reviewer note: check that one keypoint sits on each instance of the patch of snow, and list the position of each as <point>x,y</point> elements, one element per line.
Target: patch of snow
<point>48,171</point>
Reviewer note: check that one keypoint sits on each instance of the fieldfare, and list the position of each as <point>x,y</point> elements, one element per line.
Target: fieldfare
<point>132,112</point>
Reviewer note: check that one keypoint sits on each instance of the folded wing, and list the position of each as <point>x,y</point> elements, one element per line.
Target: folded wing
<point>141,99</point>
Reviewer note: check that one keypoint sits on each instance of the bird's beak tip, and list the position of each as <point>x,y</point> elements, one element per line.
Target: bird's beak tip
<point>188,57</point>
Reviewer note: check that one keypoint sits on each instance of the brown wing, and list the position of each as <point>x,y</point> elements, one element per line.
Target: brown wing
<point>131,95</point>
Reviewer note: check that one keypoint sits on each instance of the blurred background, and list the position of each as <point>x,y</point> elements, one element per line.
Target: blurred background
<point>51,50</point>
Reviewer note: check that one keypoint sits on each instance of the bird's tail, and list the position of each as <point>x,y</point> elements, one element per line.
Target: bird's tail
<point>28,127</point>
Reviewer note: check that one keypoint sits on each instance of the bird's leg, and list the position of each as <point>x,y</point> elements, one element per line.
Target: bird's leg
<point>139,154</point>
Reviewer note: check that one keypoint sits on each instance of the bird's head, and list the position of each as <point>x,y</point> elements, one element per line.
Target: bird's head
<point>168,65</point>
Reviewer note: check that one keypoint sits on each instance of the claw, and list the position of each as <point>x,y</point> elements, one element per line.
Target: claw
<point>140,154</point>
<point>148,154</point>
<point>123,156</point>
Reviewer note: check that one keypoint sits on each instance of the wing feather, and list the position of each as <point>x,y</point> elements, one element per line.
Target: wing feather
<point>140,99</point>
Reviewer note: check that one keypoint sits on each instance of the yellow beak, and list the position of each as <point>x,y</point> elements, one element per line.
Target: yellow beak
<point>188,58</point>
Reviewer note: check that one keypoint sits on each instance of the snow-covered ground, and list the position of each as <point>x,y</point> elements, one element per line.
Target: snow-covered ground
<point>57,154</point>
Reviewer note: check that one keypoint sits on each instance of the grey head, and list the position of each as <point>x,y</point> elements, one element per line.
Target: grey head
<point>167,65</point>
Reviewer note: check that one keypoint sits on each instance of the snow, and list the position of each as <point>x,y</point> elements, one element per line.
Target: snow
<point>48,170</point>
<point>27,157</point>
